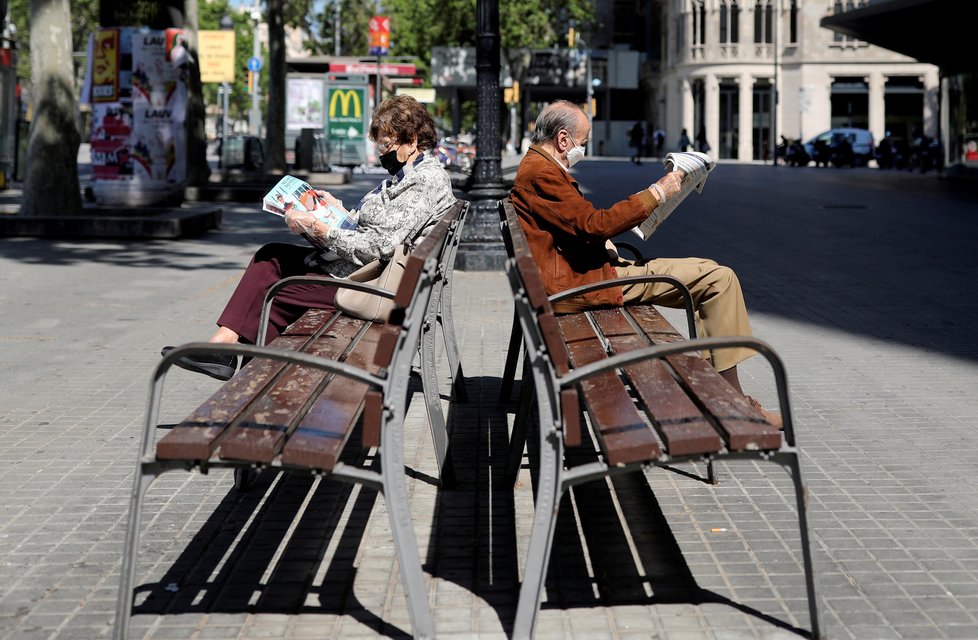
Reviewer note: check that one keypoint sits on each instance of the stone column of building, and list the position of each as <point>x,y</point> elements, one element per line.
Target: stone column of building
<point>745,132</point>
<point>877,105</point>
<point>712,113</point>
<point>687,109</point>
<point>932,108</point>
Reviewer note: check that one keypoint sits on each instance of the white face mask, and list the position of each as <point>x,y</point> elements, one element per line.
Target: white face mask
<point>575,155</point>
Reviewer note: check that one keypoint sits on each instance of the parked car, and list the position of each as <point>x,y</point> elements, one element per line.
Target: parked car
<point>842,146</point>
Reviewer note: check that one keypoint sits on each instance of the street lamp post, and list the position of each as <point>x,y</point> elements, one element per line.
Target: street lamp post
<point>227,24</point>
<point>774,85</point>
<point>255,115</point>
<point>481,248</point>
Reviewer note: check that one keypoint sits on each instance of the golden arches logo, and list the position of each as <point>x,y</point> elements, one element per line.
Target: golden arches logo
<point>346,98</point>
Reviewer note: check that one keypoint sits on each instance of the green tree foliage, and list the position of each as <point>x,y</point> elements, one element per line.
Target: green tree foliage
<point>84,18</point>
<point>522,24</point>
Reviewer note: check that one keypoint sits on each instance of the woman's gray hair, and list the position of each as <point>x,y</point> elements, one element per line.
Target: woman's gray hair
<point>558,115</point>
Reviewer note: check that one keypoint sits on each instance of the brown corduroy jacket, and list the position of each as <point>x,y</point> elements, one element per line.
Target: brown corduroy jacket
<point>566,233</point>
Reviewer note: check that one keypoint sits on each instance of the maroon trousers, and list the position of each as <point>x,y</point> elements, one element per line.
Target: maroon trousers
<point>270,264</point>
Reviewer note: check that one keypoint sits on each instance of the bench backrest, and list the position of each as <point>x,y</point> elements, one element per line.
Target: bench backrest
<point>544,319</point>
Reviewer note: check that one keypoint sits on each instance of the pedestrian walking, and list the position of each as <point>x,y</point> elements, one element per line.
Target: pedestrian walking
<point>636,139</point>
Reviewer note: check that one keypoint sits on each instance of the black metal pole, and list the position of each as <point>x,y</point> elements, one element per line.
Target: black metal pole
<point>481,248</point>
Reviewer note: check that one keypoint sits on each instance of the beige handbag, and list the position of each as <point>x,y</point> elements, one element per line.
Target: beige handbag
<point>386,275</point>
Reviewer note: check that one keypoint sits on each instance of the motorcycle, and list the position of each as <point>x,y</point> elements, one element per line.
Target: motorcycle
<point>792,153</point>
<point>456,155</point>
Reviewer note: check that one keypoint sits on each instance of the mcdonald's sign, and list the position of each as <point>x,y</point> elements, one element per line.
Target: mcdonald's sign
<point>345,112</point>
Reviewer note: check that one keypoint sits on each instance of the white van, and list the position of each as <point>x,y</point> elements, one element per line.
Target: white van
<point>863,146</point>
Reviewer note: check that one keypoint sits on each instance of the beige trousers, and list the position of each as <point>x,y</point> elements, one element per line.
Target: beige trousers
<point>718,301</point>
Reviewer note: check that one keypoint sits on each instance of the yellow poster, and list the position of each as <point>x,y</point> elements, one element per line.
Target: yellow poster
<point>216,49</point>
<point>105,66</point>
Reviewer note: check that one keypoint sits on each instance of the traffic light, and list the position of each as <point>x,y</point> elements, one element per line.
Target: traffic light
<point>251,82</point>
<point>570,37</point>
<point>511,95</point>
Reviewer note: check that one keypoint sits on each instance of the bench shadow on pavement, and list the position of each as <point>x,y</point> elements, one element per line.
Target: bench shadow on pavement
<point>223,569</point>
<point>490,568</point>
<point>289,544</point>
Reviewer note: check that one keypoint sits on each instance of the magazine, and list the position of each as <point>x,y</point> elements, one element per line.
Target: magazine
<point>697,167</point>
<point>291,193</point>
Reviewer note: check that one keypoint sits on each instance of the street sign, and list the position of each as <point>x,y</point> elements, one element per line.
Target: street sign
<point>380,35</point>
<point>254,64</point>
<point>345,112</point>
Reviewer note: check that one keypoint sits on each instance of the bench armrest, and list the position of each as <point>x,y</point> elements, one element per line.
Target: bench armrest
<point>630,248</point>
<point>617,282</point>
<point>702,344</point>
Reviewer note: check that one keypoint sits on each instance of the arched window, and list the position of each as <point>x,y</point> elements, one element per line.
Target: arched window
<point>845,5</point>
<point>763,22</point>
<point>698,15</point>
<point>793,22</point>
<point>729,19</point>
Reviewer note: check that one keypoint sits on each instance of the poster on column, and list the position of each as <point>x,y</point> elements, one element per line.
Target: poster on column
<point>111,128</point>
<point>159,104</point>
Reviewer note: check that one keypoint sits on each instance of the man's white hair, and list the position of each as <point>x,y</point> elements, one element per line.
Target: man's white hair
<point>556,116</point>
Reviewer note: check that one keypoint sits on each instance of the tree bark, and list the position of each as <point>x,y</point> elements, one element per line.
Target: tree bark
<point>275,118</point>
<point>51,184</point>
<point>198,171</point>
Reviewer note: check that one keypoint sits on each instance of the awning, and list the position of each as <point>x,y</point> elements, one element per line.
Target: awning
<point>938,32</point>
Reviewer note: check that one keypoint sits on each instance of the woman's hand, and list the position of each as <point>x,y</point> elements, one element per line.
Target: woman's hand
<point>330,199</point>
<point>300,222</point>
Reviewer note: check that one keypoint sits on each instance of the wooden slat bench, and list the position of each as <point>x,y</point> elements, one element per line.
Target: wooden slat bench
<point>295,405</point>
<point>650,398</point>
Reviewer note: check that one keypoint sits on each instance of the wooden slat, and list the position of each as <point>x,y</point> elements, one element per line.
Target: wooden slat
<point>654,325</point>
<point>196,437</point>
<point>259,432</point>
<point>681,424</point>
<point>623,434</point>
<point>321,435</point>
<point>309,323</point>
<point>743,427</point>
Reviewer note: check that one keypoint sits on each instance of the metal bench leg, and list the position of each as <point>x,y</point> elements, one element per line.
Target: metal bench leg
<point>521,422</point>
<point>512,357</point>
<point>549,490</point>
<point>793,466</point>
<point>446,318</point>
<point>432,403</point>
<point>402,529</point>
<point>145,476</point>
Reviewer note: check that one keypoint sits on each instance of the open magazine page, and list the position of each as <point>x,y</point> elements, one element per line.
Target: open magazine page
<point>291,193</point>
<point>697,167</point>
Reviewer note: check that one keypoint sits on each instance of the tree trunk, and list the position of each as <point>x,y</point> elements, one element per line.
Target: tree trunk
<point>275,123</point>
<point>198,171</point>
<point>51,182</point>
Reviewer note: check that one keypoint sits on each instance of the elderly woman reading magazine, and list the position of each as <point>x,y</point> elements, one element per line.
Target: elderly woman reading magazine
<point>418,192</point>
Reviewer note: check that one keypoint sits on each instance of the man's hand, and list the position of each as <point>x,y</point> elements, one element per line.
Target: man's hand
<point>612,250</point>
<point>668,186</point>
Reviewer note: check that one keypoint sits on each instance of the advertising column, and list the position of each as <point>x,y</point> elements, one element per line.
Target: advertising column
<point>138,93</point>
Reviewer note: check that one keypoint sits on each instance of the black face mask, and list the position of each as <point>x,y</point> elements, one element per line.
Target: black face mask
<point>390,162</point>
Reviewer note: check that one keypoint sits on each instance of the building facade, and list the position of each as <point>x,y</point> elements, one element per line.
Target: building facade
<point>736,71</point>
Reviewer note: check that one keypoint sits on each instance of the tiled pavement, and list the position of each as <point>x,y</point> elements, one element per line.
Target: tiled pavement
<point>862,280</point>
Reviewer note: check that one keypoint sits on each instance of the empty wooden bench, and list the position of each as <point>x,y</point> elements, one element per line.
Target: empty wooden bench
<point>295,405</point>
<point>650,399</point>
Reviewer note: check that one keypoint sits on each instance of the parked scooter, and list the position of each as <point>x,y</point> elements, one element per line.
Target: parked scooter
<point>455,155</point>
